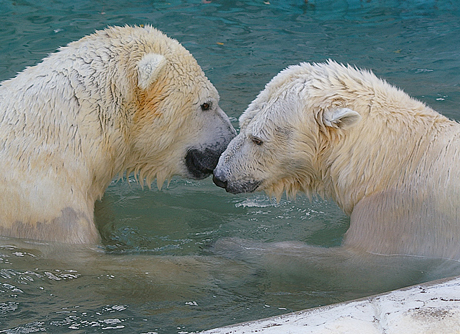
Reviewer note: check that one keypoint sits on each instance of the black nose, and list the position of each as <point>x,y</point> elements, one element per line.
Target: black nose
<point>218,182</point>
<point>200,164</point>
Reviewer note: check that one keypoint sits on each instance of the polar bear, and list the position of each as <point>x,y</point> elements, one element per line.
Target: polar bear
<point>124,99</point>
<point>389,161</point>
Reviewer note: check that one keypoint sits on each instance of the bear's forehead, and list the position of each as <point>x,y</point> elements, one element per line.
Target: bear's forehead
<point>207,95</point>
<point>264,122</point>
<point>256,129</point>
<point>191,80</point>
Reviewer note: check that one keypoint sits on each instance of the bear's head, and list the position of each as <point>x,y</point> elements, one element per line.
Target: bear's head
<point>284,135</point>
<point>176,126</point>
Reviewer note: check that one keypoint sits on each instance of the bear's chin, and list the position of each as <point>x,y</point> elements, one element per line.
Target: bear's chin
<point>247,187</point>
<point>200,164</point>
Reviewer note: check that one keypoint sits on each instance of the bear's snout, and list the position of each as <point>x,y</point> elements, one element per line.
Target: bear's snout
<point>200,164</point>
<point>220,182</point>
<point>233,187</point>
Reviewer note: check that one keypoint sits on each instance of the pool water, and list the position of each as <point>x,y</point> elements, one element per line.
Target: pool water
<point>191,257</point>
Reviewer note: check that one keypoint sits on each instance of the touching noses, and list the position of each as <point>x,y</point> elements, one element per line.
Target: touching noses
<point>219,180</point>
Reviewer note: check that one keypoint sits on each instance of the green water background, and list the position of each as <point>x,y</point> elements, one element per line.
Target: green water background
<point>156,271</point>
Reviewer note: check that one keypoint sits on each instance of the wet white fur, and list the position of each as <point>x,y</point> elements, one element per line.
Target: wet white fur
<point>389,161</point>
<point>121,99</point>
<point>149,68</point>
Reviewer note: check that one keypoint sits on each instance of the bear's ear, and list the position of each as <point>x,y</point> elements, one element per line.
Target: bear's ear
<point>149,68</point>
<point>342,118</point>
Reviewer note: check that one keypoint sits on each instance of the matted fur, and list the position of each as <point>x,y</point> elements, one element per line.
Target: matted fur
<point>391,162</point>
<point>124,99</point>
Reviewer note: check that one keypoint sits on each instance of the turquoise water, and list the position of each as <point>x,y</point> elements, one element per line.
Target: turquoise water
<point>159,269</point>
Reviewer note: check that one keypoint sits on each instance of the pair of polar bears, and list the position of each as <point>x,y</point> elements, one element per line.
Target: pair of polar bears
<point>130,99</point>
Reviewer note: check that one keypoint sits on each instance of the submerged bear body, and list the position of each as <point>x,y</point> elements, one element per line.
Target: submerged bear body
<point>389,161</point>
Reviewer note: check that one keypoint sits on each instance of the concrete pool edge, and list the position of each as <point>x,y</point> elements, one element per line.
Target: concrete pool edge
<point>432,307</point>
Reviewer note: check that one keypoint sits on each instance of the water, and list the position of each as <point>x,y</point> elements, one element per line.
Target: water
<point>165,265</point>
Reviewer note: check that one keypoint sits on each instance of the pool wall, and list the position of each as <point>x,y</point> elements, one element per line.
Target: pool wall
<point>433,307</point>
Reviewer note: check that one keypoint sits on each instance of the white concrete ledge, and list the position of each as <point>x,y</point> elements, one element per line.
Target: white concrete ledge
<point>431,308</point>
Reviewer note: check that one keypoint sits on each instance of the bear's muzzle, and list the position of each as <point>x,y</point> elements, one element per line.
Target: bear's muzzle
<point>200,164</point>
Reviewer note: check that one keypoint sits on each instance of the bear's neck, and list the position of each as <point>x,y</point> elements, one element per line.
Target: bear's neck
<point>381,153</point>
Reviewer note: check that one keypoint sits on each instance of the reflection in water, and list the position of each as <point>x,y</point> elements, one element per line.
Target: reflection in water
<point>56,287</point>
<point>131,287</point>
<point>191,258</point>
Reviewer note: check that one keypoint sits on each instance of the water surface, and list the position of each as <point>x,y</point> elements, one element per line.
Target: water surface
<point>159,269</point>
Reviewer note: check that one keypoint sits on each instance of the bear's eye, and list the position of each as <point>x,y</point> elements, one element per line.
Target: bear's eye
<point>205,106</point>
<point>257,141</point>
